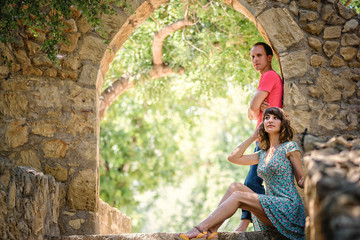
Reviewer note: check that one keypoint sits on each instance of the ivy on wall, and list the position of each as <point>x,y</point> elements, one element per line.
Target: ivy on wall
<point>48,16</point>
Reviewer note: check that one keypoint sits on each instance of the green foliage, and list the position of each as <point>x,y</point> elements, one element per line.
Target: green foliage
<point>168,130</point>
<point>354,4</point>
<point>48,17</point>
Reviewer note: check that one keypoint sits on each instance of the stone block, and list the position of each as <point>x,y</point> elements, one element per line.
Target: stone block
<point>309,4</point>
<point>337,61</point>
<point>29,158</point>
<point>281,28</point>
<point>42,60</point>
<point>315,43</point>
<point>71,26</point>
<point>83,98</point>
<point>112,221</point>
<point>315,28</point>
<point>331,189</point>
<point>73,39</point>
<point>348,53</point>
<point>82,194</point>
<point>14,104</point>
<point>332,32</point>
<point>351,25</point>
<point>300,119</point>
<point>83,25</point>
<point>48,96</point>
<point>350,40</point>
<point>112,24</point>
<point>345,12</point>
<point>28,71</point>
<point>327,84</point>
<point>72,62</point>
<point>295,63</point>
<point>32,47</point>
<point>51,72</point>
<point>327,11</point>
<point>58,172</point>
<point>293,8</point>
<point>54,148</point>
<point>336,20</point>
<point>330,48</point>
<point>88,75</point>
<point>16,134</point>
<point>317,60</point>
<point>308,16</point>
<point>44,128</point>
<point>354,64</point>
<point>22,57</point>
<point>294,96</point>
<point>4,70</point>
<point>93,48</point>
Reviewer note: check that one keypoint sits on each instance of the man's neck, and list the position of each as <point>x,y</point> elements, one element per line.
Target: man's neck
<point>265,70</point>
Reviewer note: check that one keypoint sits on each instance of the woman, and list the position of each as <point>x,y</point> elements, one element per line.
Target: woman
<point>279,161</point>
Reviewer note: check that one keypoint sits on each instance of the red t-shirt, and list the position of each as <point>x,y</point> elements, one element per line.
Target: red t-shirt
<point>271,83</point>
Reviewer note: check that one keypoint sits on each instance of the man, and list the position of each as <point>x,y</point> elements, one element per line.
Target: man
<point>269,94</point>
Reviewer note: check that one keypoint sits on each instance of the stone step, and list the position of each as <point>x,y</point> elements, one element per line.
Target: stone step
<point>263,235</point>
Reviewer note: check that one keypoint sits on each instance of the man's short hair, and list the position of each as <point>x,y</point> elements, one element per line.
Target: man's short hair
<point>267,48</point>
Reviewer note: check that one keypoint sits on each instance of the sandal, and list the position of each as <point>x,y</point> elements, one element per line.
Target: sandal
<point>213,236</point>
<point>200,236</point>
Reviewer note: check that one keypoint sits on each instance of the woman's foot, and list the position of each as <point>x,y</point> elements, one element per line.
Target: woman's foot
<point>194,233</point>
<point>213,235</point>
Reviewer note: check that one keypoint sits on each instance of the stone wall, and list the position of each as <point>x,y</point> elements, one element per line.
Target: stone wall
<point>29,203</point>
<point>317,44</point>
<point>112,220</point>
<point>332,190</point>
<point>49,113</point>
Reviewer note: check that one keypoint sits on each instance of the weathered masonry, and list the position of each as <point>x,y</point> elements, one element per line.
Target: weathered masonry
<point>49,114</point>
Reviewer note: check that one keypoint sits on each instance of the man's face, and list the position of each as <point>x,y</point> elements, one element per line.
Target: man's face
<point>259,58</point>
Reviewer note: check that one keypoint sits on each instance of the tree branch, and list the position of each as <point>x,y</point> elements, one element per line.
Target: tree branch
<point>159,69</point>
<point>109,95</point>
<point>162,34</point>
<point>348,3</point>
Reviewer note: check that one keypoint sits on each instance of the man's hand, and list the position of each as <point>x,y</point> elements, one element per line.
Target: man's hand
<point>264,105</point>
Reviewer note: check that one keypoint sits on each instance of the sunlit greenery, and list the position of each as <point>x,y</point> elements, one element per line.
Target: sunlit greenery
<point>166,132</point>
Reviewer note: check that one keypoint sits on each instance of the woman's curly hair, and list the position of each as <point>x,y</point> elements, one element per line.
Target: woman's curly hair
<point>286,130</point>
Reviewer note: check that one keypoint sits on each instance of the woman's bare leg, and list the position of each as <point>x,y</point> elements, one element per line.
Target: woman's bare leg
<point>243,198</point>
<point>234,187</point>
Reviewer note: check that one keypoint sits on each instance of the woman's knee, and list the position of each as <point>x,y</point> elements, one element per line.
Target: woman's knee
<point>235,186</point>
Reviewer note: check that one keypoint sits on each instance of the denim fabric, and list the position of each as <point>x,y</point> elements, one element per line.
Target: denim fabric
<point>254,182</point>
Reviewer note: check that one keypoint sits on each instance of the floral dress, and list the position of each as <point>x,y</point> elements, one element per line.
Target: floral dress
<point>281,202</point>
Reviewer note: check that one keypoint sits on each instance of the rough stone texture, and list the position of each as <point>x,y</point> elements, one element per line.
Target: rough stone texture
<point>317,60</point>
<point>296,63</point>
<point>265,235</point>
<point>29,203</point>
<point>315,43</point>
<point>16,134</point>
<point>330,47</point>
<point>281,28</point>
<point>332,32</point>
<point>112,220</point>
<point>332,189</point>
<point>82,186</point>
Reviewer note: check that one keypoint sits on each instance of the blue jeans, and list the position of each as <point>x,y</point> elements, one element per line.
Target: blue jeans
<point>254,182</point>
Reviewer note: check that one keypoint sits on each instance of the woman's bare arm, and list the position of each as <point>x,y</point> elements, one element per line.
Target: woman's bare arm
<point>295,159</point>
<point>238,157</point>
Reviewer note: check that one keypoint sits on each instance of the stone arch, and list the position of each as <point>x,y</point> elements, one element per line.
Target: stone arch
<point>49,114</point>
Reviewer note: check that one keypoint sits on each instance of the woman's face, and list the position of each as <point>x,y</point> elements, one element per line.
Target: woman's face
<point>272,123</point>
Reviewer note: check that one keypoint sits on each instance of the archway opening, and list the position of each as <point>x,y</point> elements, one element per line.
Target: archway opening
<point>162,134</point>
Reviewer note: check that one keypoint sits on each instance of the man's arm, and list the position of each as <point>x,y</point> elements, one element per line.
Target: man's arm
<point>255,105</point>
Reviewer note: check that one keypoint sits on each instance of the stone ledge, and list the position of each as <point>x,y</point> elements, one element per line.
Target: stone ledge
<point>264,235</point>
